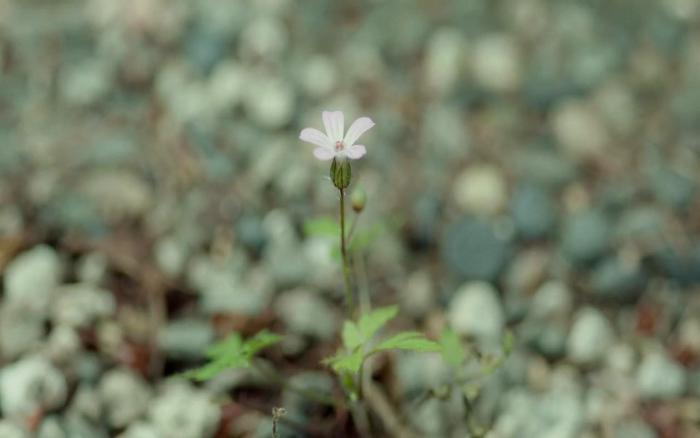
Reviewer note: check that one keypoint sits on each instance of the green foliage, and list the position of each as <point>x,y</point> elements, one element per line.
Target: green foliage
<point>322,226</point>
<point>452,349</point>
<point>232,352</point>
<point>413,341</point>
<point>357,337</point>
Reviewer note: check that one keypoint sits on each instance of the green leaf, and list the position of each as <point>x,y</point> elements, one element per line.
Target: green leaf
<point>413,341</point>
<point>232,353</point>
<point>370,323</point>
<point>508,343</point>
<point>452,349</point>
<point>322,226</point>
<point>352,337</point>
<point>259,342</point>
<point>232,344</point>
<point>346,362</point>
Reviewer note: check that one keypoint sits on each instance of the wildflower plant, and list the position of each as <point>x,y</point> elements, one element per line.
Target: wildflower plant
<point>362,332</point>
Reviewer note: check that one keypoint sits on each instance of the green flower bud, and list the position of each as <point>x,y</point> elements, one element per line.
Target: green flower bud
<point>358,199</point>
<point>341,173</point>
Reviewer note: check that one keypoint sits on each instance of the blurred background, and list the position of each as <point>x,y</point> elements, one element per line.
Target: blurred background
<point>534,166</point>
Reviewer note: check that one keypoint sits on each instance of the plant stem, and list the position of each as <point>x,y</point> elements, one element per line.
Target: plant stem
<point>344,254</point>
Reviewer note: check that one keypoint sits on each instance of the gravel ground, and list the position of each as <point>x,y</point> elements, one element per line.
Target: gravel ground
<point>533,170</point>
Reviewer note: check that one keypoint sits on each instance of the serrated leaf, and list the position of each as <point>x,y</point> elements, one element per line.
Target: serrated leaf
<point>452,349</point>
<point>232,344</point>
<point>370,323</point>
<point>346,362</point>
<point>413,341</point>
<point>232,353</point>
<point>322,226</point>
<point>351,335</point>
<point>260,341</point>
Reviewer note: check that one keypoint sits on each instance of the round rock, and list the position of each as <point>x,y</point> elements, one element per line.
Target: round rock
<point>590,338</point>
<point>473,251</point>
<point>475,310</point>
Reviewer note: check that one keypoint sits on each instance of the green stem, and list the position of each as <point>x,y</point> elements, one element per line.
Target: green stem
<point>346,261</point>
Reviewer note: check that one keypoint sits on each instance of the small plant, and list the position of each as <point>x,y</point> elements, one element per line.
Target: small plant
<point>361,334</point>
<point>231,353</point>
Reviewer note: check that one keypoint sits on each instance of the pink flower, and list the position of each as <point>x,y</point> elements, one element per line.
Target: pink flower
<point>332,144</point>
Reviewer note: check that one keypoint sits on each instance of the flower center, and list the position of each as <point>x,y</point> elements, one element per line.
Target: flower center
<point>339,146</point>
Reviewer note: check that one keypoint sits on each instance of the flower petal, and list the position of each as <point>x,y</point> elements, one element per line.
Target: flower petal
<point>355,151</point>
<point>358,127</point>
<point>314,136</point>
<point>335,124</point>
<point>324,153</point>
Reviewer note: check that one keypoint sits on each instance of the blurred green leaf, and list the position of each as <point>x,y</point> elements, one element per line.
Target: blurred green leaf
<point>352,337</point>
<point>346,362</point>
<point>259,342</point>
<point>452,349</point>
<point>413,341</point>
<point>232,353</point>
<point>322,226</point>
<point>370,323</point>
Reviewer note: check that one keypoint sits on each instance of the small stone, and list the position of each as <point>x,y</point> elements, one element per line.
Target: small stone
<point>295,308</point>
<point>659,377</point>
<point>132,199</point>
<point>634,429</point>
<point>186,338</point>
<point>85,83</point>
<point>417,294</point>
<point>586,235</point>
<point>481,189</point>
<point>545,166</point>
<point>590,338</point>
<point>29,386</point>
<point>617,279</point>
<point>319,76</point>
<point>125,397</point>
<point>418,372</point>
<point>475,310</point>
<point>11,430</point>
<point>473,250</point>
<point>552,300</point>
<point>496,63</point>
<point>92,268</point>
<point>21,329</point>
<point>263,38</point>
<point>63,344</point>
<point>171,255</point>
<point>534,211</point>
<point>579,131</point>
<point>185,412</point>
<point>31,277</point>
<point>79,305</point>
<point>444,60</point>
<point>50,428</point>
<point>140,429</point>
<point>673,188</point>
<point>269,101</point>
<point>444,131</point>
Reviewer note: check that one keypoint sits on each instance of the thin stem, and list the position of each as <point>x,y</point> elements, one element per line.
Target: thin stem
<point>346,261</point>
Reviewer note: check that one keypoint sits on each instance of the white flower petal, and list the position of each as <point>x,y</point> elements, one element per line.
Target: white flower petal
<point>355,151</point>
<point>324,153</point>
<point>314,136</point>
<point>358,127</point>
<point>335,124</point>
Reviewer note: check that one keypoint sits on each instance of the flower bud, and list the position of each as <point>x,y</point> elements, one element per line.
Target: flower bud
<point>358,199</point>
<point>341,173</point>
